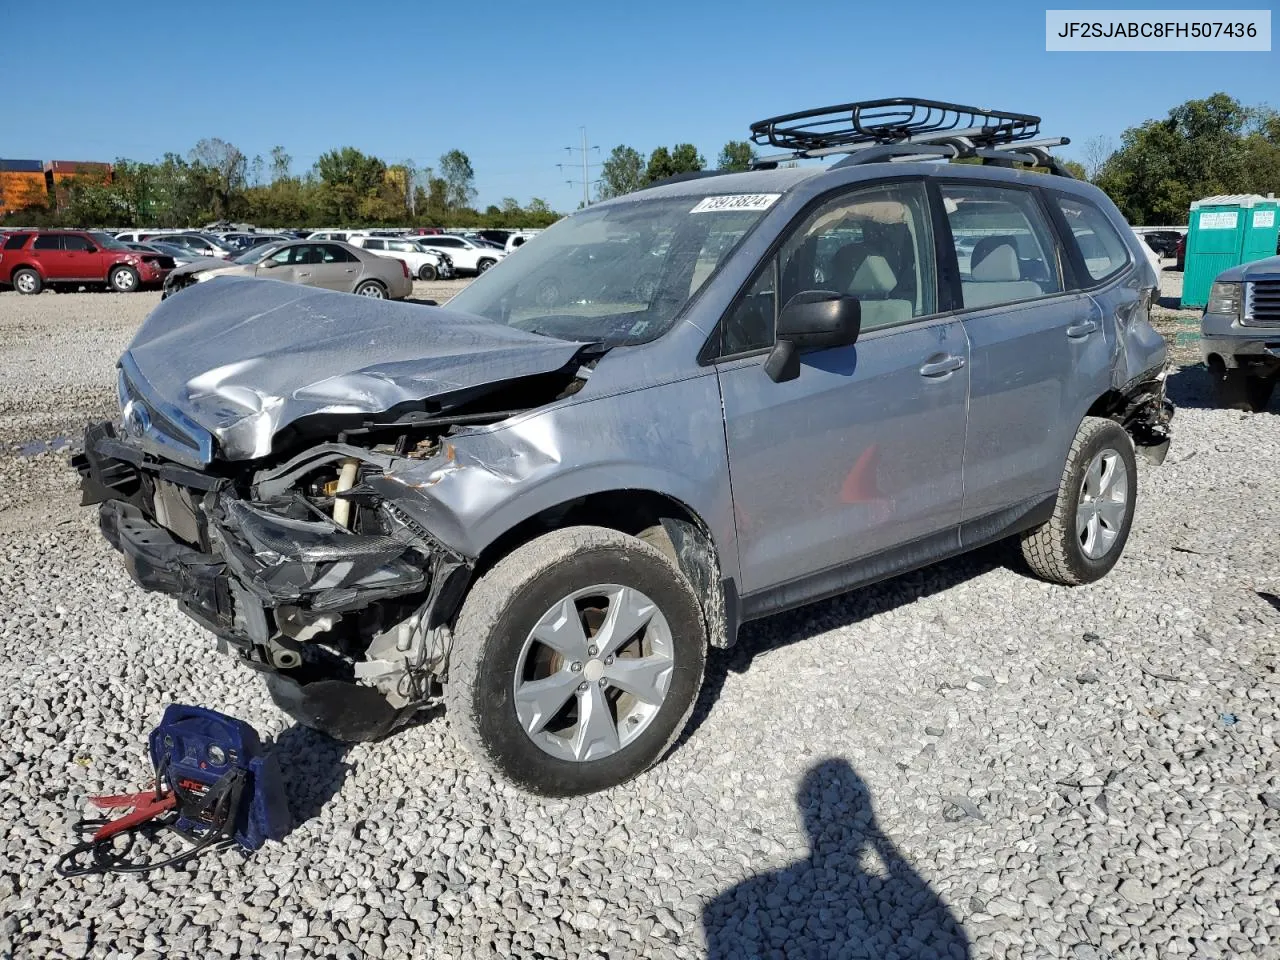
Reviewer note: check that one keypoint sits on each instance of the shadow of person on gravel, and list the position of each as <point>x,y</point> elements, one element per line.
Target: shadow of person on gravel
<point>853,896</point>
<point>313,768</point>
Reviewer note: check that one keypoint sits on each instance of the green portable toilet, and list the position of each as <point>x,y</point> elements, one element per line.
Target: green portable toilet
<point>1223,232</point>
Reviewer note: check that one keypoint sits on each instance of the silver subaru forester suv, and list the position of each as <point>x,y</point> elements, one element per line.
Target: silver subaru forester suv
<point>689,407</point>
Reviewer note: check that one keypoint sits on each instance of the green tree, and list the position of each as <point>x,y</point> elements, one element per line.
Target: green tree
<point>459,178</point>
<point>737,155</point>
<point>348,178</point>
<point>223,169</point>
<point>682,158</point>
<point>1076,169</point>
<point>280,164</point>
<point>1203,147</point>
<point>621,173</point>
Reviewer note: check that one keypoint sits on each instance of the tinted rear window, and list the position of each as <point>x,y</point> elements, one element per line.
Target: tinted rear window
<point>16,241</point>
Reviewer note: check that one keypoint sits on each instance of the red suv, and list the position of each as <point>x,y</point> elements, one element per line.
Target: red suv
<point>32,260</point>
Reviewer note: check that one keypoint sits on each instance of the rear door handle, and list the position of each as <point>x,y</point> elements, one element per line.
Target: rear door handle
<point>1078,331</point>
<point>304,274</point>
<point>940,368</point>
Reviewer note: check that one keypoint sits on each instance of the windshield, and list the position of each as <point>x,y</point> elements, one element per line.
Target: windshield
<point>107,242</point>
<point>258,253</point>
<point>618,274</point>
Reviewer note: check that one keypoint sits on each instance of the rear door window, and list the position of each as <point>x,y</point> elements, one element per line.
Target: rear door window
<point>47,241</point>
<point>1099,243</point>
<point>16,241</point>
<point>1004,245</point>
<point>374,244</point>
<point>335,254</point>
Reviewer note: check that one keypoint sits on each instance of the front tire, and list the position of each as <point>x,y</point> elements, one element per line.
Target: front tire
<point>1086,535</point>
<point>426,272</point>
<point>1235,389</point>
<point>484,265</point>
<point>123,280</point>
<point>27,281</point>
<point>576,661</point>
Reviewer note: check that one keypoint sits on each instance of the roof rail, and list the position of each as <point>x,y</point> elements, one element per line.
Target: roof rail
<point>904,128</point>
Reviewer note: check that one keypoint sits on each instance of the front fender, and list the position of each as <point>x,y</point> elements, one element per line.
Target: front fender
<point>666,439</point>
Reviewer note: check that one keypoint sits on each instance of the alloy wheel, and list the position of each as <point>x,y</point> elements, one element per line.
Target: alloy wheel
<point>593,672</point>
<point>1103,503</point>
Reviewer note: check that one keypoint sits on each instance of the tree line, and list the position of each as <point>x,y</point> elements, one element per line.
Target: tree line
<point>216,181</point>
<point>1206,147</point>
<point>626,169</point>
<point>1203,148</point>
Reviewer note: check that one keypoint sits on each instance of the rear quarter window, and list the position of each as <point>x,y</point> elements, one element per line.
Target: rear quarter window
<point>1099,243</point>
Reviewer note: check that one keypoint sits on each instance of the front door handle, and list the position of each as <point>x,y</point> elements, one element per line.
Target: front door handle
<point>941,367</point>
<point>1078,331</point>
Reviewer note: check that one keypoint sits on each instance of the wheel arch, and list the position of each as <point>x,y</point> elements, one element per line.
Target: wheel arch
<point>26,266</point>
<point>684,536</point>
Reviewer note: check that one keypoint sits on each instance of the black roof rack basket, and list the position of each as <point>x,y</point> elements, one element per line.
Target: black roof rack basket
<point>894,120</point>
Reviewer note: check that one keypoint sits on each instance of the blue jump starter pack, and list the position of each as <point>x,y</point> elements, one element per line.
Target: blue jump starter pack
<point>215,784</point>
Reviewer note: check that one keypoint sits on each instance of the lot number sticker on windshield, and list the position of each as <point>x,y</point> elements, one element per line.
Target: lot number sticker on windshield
<point>736,201</point>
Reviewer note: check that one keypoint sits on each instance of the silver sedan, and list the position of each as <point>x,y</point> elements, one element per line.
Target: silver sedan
<point>328,264</point>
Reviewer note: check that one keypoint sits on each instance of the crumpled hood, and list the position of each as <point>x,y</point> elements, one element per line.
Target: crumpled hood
<point>243,358</point>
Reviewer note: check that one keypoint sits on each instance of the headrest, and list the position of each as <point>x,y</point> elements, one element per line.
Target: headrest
<point>999,264</point>
<point>873,276</point>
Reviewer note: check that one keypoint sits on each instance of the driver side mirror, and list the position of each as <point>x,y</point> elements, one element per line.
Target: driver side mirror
<point>812,320</point>
<point>271,264</point>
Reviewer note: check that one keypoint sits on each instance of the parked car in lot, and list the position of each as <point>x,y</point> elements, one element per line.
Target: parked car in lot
<point>1180,254</point>
<point>1163,242</point>
<point>519,239</point>
<point>423,263</point>
<point>550,512</point>
<point>333,266</point>
<point>340,235</point>
<point>467,255</point>
<point>181,255</point>
<point>203,244</point>
<point>29,262</point>
<point>1240,334</point>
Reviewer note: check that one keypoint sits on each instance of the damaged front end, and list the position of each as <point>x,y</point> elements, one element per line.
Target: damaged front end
<point>297,539</point>
<point>332,592</point>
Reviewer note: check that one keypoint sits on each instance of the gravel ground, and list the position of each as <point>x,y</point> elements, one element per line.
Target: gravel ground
<point>959,762</point>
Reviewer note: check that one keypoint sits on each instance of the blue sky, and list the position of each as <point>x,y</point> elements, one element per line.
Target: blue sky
<point>511,83</point>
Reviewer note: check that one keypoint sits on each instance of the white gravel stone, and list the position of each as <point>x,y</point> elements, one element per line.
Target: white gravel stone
<point>958,762</point>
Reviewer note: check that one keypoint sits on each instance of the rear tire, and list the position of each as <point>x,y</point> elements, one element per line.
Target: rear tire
<point>544,739</point>
<point>1235,389</point>
<point>426,272</point>
<point>371,288</point>
<point>124,279</point>
<point>27,281</point>
<point>1086,535</point>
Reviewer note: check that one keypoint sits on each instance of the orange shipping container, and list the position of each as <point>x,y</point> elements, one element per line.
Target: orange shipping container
<point>21,189</point>
<point>59,175</point>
